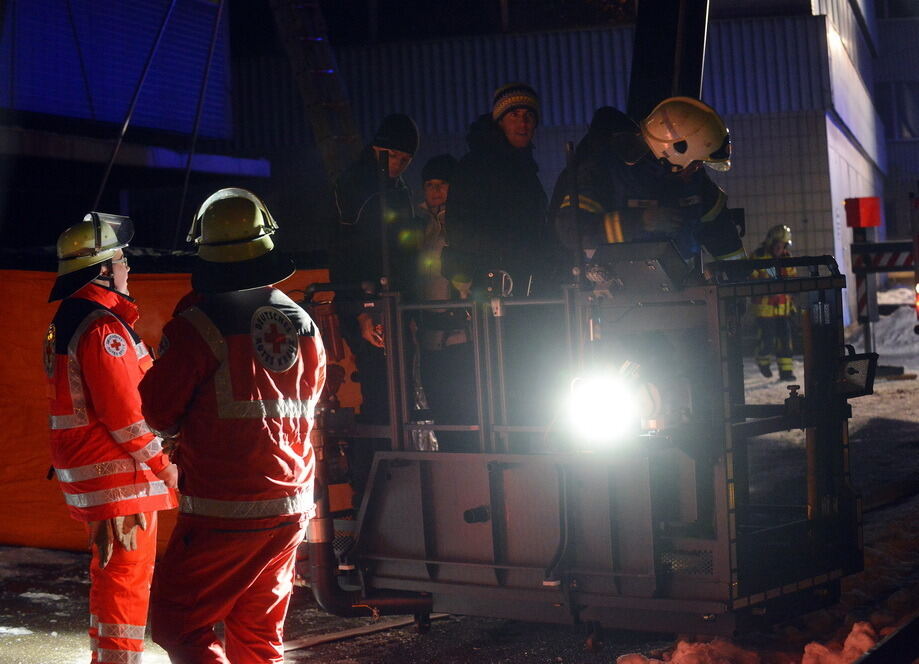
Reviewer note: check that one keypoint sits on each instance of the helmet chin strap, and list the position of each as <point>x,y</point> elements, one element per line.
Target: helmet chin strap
<point>107,280</point>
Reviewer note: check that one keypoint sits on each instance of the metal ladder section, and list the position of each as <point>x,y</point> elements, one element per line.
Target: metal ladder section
<point>302,28</point>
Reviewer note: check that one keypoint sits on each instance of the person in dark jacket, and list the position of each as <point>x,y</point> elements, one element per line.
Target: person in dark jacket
<point>646,182</point>
<point>498,243</point>
<point>445,366</point>
<point>496,217</point>
<point>370,198</point>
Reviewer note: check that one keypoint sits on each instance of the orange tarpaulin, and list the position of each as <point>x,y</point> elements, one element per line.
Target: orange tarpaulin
<point>33,511</point>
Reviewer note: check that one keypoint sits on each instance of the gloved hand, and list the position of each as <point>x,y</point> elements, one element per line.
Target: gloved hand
<point>123,529</point>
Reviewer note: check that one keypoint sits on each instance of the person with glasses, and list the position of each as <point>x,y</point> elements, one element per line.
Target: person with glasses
<point>110,466</point>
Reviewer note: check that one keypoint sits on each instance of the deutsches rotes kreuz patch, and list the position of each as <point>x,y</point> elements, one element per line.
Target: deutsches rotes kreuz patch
<point>115,345</point>
<point>274,338</point>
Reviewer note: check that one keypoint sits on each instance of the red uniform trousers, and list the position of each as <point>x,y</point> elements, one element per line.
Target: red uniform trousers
<point>119,597</point>
<point>239,571</point>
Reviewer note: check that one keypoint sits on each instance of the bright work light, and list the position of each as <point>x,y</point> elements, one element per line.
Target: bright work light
<point>602,408</point>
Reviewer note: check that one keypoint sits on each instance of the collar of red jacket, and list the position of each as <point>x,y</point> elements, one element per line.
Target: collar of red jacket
<point>120,303</point>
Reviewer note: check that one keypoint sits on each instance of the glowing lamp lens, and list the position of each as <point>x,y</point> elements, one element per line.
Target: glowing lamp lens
<point>602,409</point>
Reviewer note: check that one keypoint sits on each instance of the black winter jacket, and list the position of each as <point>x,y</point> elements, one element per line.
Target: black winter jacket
<point>609,183</point>
<point>356,255</point>
<point>496,212</point>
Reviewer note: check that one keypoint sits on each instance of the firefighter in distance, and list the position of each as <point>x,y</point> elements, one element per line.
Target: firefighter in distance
<point>773,312</point>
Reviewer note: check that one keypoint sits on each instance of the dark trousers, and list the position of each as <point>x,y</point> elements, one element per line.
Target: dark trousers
<point>371,374</point>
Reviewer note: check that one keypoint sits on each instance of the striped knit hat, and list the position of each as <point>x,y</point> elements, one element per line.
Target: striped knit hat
<point>512,96</point>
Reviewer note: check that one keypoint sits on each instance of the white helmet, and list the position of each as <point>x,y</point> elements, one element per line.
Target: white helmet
<point>682,130</point>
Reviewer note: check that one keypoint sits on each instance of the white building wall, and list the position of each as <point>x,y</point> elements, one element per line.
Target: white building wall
<point>854,21</point>
<point>779,176</point>
<point>852,175</point>
<point>853,103</point>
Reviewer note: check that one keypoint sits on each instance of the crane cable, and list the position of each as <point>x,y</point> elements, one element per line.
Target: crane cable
<point>130,113</point>
<point>194,136</point>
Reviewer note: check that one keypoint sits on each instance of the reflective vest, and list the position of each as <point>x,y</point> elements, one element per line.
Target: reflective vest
<point>780,304</point>
<point>104,455</point>
<point>238,376</point>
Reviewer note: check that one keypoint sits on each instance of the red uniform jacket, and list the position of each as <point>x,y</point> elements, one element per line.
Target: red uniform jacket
<point>104,455</point>
<point>238,375</point>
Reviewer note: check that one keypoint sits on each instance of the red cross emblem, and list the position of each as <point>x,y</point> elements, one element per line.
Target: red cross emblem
<point>275,337</point>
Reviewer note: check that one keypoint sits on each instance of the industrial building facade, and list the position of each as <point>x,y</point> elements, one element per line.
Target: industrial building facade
<point>798,91</point>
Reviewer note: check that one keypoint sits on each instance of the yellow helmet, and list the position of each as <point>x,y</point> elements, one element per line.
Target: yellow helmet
<point>232,225</point>
<point>682,130</point>
<point>233,230</point>
<point>779,233</point>
<point>86,245</point>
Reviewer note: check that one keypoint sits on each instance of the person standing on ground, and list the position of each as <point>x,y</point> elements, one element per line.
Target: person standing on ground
<point>239,373</point>
<point>110,466</point>
<point>773,312</point>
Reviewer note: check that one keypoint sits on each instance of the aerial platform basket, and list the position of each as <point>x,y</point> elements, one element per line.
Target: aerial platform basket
<point>674,528</point>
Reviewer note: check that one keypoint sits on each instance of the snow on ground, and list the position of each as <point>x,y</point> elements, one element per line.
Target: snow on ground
<point>894,338</point>
<point>884,436</point>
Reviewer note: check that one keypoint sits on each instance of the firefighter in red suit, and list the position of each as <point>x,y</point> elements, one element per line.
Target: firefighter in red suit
<point>110,466</point>
<point>236,381</point>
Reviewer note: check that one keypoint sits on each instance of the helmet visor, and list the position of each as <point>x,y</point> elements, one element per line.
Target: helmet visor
<point>110,231</point>
<point>720,159</point>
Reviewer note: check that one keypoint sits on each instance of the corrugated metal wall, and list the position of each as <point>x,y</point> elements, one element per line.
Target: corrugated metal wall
<point>41,69</point>
<point>897,66</point>
<point>771,77</point>
<point>853,104</point>
<point>899,53</point>
<point>861,45</point>
<point>851,175</point>
<point>269,112</point>
<point>769,65</point>
<point>753,66</point>
<point>445,84</point>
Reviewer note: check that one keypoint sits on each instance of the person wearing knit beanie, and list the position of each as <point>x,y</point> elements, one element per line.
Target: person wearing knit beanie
<point>513,96</point>
<point>515,108</point>
<point>398,135</point>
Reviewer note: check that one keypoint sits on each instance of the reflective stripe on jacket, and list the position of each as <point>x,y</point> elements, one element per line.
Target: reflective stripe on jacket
<point>239,377</point>
<point>104,454</point>
<point>780,304</point>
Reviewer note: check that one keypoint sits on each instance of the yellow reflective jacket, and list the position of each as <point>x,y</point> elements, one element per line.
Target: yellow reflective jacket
<point>780,304</point>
